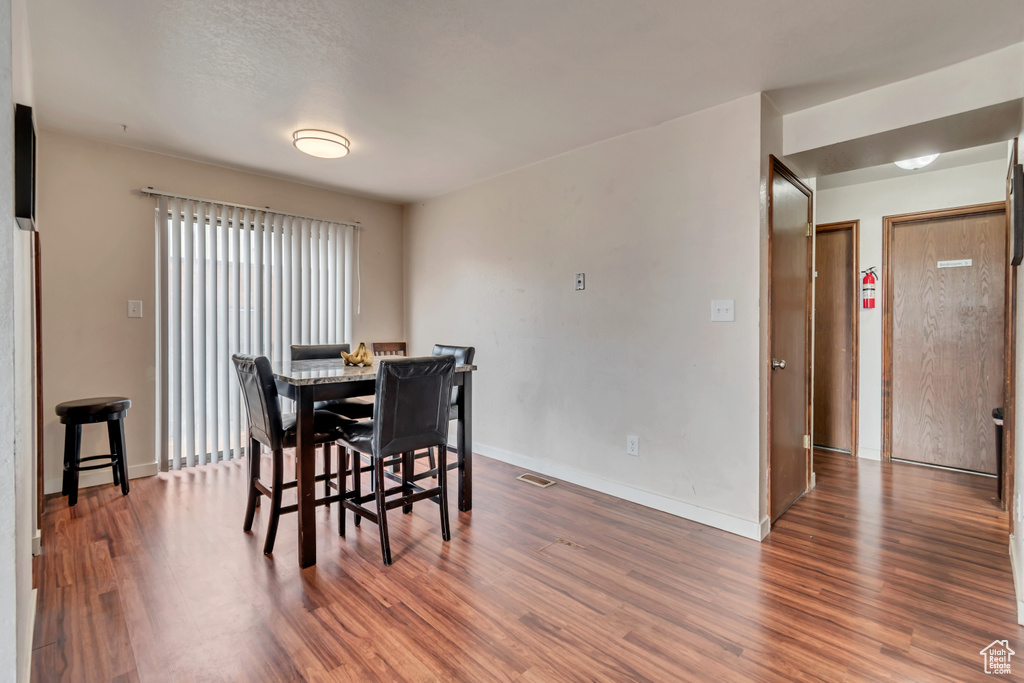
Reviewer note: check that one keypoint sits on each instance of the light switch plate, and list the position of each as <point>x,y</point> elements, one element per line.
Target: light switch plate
<point>723,310</point>
<point>134,308</point>
<point>580,281</point>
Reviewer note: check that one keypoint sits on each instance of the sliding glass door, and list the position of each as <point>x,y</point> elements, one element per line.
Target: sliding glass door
<point>237,280</point>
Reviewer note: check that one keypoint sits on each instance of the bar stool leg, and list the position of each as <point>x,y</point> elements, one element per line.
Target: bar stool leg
<point>116,431</point>
<point>75,456</point>
<point>69,458</point>
<point>112,438</point>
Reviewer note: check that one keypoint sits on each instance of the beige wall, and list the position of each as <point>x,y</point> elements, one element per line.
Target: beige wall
<point>98,251</point>
<point>662,221</point>
<point>13,560</point>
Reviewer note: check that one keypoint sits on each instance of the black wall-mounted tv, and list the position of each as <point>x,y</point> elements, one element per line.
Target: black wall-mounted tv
<point>1016,215</point>
<point>24,167</point>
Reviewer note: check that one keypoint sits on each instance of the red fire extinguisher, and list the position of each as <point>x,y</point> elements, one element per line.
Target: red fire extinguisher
<point>868,288</point>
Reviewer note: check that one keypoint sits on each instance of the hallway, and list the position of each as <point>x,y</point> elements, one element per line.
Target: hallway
<point>882,572</point>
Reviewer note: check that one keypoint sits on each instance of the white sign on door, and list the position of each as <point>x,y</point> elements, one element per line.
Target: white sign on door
<point>961,263</point>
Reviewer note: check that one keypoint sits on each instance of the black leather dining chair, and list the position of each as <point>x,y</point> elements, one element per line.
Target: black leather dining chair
<point>348,407</point>
<point>277,431</point>
<point>412,399</point>
<point>464,355</point>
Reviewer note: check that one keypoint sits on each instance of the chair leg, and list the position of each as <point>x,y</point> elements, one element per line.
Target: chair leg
<point>75,461</point>
<point>327,469</point>
<point>357,482</point>
<point>254,475</point>
<point>382,518</point>
<point>121,466</point>
<point>407,465</point>
<point>69,457</point>
<point>342,487</point>
<point>430,460</point>
<point>442,474</point>
<point>275,502</point>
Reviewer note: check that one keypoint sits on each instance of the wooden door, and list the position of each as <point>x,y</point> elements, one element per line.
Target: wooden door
<point>947,273</point>
<point>835,336</point>
<point>789,252</point>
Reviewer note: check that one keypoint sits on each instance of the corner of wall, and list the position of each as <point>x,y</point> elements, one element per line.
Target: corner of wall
<point>21,54</point>
<point>771,143</point>
<point>405,293</point>
<point>1016,566</point>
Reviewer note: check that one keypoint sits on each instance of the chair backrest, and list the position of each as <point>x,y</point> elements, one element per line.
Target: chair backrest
<point>411,404</point>
<point>389,348</point>
<point>261,403</point>
<point>463,356</point>
<point>318,351</point>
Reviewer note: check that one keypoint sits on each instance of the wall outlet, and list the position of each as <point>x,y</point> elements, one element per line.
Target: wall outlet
<point>632,445</point>
<point>580,282</point>
<point>134,308</point>
<point>723,310</point>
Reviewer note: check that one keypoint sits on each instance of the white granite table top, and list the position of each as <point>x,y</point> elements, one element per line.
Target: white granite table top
<point>331,371</point>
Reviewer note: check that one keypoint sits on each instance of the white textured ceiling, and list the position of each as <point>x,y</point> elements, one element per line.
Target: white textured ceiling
<point>439,94</point>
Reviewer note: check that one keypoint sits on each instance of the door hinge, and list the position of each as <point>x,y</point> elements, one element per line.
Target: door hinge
<point>810,228</point>
<point>807,440</point>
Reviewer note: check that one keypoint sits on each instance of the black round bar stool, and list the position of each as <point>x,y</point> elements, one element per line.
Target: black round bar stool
<point>74,414</point>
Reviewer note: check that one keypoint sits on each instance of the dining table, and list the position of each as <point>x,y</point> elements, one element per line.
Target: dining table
<point>309,381</point>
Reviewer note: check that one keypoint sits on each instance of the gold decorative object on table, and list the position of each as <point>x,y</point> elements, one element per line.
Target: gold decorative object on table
<point>361,356</point>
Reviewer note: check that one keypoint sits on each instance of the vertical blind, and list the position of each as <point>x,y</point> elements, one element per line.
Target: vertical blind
<point>238,280</point>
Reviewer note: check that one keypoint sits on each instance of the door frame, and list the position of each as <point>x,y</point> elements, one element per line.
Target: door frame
<point>37,330</point>
<point>1010,384</point>
<point>854,227</point>
<point>889,224</point>
<point>776,167</point>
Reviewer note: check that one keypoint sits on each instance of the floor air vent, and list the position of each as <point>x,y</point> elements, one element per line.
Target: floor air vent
<point>535,480</point>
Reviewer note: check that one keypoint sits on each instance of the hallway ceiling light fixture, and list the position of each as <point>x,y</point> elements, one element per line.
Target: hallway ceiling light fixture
<point>917,162</point>
<point>320,143</point>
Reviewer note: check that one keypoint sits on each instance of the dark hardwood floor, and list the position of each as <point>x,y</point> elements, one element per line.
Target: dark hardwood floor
<point>884,572</point>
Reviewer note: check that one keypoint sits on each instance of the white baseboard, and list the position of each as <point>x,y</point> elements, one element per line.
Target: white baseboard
<point>98,477</point>
<point>766,527</point>
<point>869,453</point>
<point>27,634</point>
<point>1018,582</point>
<point>720,520</point>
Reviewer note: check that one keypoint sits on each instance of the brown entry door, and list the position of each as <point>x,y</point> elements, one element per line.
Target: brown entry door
<point>947,338</point>
<point>789,299</point>
<point>835,335</point>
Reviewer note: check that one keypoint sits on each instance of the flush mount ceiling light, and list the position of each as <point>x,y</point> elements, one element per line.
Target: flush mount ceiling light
<point>916,163</point>
<point>320,143</point>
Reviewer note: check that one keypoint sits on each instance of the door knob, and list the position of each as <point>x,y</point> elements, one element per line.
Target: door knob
<point>778,364</point>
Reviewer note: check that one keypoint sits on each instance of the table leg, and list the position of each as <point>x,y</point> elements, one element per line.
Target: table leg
<point>465,443</point>
<point>305,470</point>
